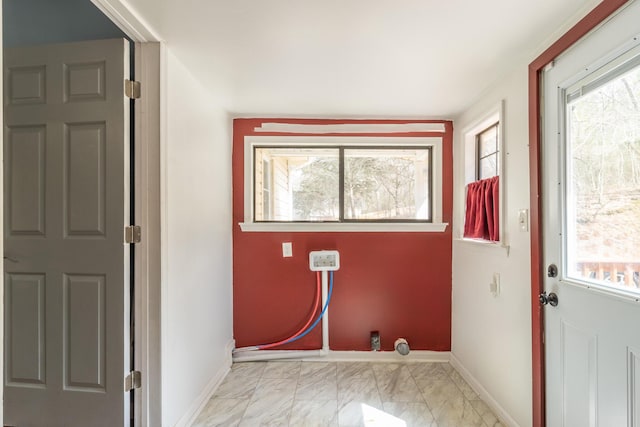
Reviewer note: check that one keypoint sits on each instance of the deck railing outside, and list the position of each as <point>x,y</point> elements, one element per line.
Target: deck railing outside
<point>625,274</point>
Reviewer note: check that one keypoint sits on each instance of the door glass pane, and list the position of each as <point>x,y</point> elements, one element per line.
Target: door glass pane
<point>301,185</point>
<point>385,184</point>
<point>603,182</point>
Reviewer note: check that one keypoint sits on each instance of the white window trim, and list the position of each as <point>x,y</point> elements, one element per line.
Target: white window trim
<point>434,142</point>
<point>346,128</point>
<point>469,173</point>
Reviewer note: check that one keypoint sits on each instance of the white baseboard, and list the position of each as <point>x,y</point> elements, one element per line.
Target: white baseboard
<point>497,409</point>
<point>228,351</point>
<point>201,401</point>
<point>383,356</point>
<point>345,356</point>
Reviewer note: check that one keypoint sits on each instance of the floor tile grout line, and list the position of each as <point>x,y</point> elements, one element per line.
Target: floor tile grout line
<point>415,380</point>
<point>251,398</point>
<point>260,378</point>
<point>464,396</point>
<point>295,392</point>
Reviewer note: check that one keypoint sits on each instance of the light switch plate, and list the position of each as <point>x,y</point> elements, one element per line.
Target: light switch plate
<point>523,220</point>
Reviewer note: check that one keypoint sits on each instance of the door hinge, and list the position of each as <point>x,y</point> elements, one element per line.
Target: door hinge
<point>132,89</point>
<point>133,380</point>
<point>132,234</point>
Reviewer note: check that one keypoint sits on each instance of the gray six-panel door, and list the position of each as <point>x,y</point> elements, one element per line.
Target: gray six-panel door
<point>66,204</point>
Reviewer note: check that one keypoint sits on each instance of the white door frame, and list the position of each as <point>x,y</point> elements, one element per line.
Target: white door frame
<point>148,142</point>
<point>148,177</point>
<point>147,277</point>
<point>2,226</point>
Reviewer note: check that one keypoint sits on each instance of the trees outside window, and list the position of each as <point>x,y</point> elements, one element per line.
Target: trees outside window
<point>344,183</point>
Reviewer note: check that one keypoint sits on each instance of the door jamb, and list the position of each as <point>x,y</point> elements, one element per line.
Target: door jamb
<point>594,18</point>
<point>1,223</point>
<point>147,258</point>
<point>148,142</point>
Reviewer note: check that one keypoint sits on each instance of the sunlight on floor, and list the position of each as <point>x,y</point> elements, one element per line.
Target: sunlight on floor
<point>375,417</point>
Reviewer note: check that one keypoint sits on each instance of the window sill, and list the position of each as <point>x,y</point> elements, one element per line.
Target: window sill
<point>479,243</point>
<point>344,227</point>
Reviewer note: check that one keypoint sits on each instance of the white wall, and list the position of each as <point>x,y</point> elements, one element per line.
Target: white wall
<point>196,206</point>
<point>491,336</point>
<point>196,242</point>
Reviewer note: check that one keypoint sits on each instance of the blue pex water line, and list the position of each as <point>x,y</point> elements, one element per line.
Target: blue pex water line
<point>324,309</point>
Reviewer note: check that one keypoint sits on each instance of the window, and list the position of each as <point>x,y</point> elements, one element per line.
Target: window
<point>488,160</point>
<point>319,181</point>
<point>602,177</point>
<point>483,186</point>
<point>343,184</point>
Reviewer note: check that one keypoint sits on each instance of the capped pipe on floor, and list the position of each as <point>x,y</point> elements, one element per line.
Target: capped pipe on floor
<point>402,346</point>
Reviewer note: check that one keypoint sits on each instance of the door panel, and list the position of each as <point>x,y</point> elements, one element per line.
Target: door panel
<point>84,327</point>
<point>66,265</point>
<point>633,363</point>
<point>580,361</point>
<point>84,176</point>
<point>26,180</point>
<point>26,85</point>
<point>25,329</point>
<point>85,82</point>
<point>589,215</point>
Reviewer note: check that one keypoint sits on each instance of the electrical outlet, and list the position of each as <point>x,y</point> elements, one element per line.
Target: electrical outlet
<point>494,286</point>
<point>287,250</point>
<point>324,260</point>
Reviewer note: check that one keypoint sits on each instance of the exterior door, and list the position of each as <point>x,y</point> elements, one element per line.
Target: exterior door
<point>66,265</point>
<point>591,220</point>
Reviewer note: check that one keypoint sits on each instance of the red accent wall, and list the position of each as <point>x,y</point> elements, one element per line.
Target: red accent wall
<point>396,283</point>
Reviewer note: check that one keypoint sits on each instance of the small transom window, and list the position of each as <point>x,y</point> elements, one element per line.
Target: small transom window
<point>483,195</point>
<point>488,153</point>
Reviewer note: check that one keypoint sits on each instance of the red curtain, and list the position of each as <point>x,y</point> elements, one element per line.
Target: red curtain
<point>482,211</point>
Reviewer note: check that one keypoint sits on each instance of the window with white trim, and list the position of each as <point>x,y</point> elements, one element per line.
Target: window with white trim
<point>352,183</point>
<point>342,183</point>
<point>488,152</point>
<point>483,196</point>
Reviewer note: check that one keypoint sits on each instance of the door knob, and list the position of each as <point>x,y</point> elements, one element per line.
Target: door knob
<point>8,258</point>
<point>551,299</point>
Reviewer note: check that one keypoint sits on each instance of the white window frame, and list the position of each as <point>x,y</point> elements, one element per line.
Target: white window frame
<point>470,173</point>
<point>267,185</point>
<point>435,143</point>
<point>480,159</point>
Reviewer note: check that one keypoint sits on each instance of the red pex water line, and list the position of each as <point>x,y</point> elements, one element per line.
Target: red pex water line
<point>313,314</point>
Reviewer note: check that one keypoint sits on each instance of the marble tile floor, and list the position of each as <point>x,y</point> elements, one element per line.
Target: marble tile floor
<point>324,394</point>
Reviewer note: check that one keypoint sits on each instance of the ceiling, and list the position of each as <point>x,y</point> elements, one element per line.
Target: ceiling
<point>355,58</point>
